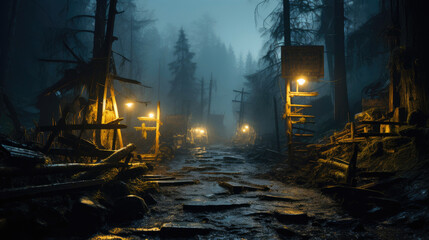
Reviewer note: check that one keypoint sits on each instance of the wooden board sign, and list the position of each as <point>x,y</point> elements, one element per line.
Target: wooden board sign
<point>302,61</point>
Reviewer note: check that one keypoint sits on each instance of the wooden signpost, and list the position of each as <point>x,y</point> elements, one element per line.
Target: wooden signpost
<point>305,62</point>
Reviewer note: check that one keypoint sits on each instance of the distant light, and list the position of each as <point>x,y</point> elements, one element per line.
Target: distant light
<point>129,104</point>
<point>201,130</point>
<point>151,115</point>
<point>301,81</point>
<point>246,126</point>
<point>244,130</point>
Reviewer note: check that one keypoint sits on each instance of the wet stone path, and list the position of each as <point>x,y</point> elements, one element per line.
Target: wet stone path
<point>215,195</point>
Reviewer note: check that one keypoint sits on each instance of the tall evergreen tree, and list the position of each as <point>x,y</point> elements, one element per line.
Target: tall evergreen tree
<point>183,88</point>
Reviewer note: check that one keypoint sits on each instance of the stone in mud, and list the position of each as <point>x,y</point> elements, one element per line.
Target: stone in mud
<point>87,216</point>
<point>209,206</point>
<point>109,237</point>
<point>236,188</point>
<point>272,197</point>
<point>291,216</point>
<point>115,189</point>
<point>160,178</point>
<point>129,208</point>
<point>135,231</point>
<point>148,198</point>
<point>185,229</point>
<point>174,182</point>
<point>286,231</point>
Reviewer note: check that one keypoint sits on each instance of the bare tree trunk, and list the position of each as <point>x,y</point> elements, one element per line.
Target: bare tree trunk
<point>341,95</point>
<point>103,66</point>
<point>287,42</point>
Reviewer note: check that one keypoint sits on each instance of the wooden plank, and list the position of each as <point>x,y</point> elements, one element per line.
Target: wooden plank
<point>301,105</point>
<point>303,135</point>
<point>79,127</point>
<point>303,94</point>
<point>382,122</point>
<point>301,115</point>
<point>304,129</point>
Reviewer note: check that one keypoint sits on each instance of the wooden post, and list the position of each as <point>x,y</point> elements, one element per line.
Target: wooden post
<point>276,122</point>
<point>115,109</point>
<point>289,120</point>
<point>240,118</point>
<point>158,123</point>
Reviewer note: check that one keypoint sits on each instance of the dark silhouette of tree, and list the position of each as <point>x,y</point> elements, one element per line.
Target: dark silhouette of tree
<point>341,96</point>
<point>183,89</point>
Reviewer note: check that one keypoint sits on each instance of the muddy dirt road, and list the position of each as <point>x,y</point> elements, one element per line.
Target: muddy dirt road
<point>212,193</point>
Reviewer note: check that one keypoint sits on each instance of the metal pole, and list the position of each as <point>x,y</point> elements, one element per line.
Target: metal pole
<point>210,97</point>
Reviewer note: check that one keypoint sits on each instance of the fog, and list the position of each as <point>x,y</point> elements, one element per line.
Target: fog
<point>234,43</point>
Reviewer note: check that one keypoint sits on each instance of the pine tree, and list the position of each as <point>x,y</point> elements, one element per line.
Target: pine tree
<point>183,88</point>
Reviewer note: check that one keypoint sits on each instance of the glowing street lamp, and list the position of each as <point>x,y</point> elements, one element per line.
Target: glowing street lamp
<point>201,131</point>
<point>129,104</point>
<point>246,126</point>
<point>300,81</point>
<point>151,115</point>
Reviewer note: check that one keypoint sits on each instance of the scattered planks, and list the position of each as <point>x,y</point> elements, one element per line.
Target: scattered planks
<point>111,161</point>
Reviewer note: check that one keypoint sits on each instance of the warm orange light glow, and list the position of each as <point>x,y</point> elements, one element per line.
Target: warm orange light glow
<point>246,126</point>
<point>129,104</point>
<point>201,130</point>
<point>151,115</point>
<point>301,81</point>
<point>244,130</point>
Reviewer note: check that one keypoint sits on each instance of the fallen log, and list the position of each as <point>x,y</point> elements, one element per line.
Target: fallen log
<point>18,156</point>
<point>119,154</point>
<point>60,168</point>
<point>334,164</point>
<point>43,190</point>
<point>79,127</point>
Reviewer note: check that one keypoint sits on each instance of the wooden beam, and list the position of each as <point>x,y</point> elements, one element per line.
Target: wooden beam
<point>79,127</point>
<point>303,94</point>
<point>43,190</point>
<point>115,110</point>
<point>301,115</point>
<point>385,123</point>
<point>301,105</point>
<point>57,168</point>
<point>303,135</point>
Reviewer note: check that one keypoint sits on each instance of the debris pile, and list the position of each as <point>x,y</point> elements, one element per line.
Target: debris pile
<point>51,196</point>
